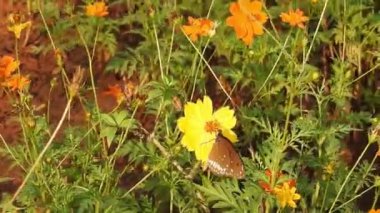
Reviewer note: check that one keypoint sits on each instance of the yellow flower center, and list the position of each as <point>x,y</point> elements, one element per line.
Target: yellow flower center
<point>212,126</point>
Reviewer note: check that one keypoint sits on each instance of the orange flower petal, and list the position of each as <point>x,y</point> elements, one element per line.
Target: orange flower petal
<point>98,9</point>
<point>16,82</point>
<point>7,65</point>
<point>198,27</point>
<point>265,186</point>
<point>234,9</point>
<point>255,6</point>
<point>247,19</point>
<point>294,18</point>
<point>116,92</point>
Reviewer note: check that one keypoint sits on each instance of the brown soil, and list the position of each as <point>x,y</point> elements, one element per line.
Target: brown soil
<point>41,69</point>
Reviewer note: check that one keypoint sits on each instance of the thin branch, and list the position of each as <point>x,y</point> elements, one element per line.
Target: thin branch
<point>39,158</point>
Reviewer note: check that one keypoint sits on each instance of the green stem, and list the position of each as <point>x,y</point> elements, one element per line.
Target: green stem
<point>171,200</point>
<point>51,39</point>
<point>376,198</point>
<point>209,67</point>
<point>288,113</point>
<point>39,158</point>
<point>198,69</point>
<point>365,174</point>
<point>89,58</point>
<point>348,176</point>
<point>313,39</point>
<point>158,51</point>
<point>11,153</point>
<point>17,56</point>
<point>325,195</point>
<point>364,74</point>
<point>354,198</point>
<point>95,41</point>
<point>138,183</point>
<point>170,48</point>
<point>273,68</point>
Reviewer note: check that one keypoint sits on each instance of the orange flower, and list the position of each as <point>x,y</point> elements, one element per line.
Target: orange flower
<point>374,211</point>
<point>198,27</point>
<point>7,66</point>
<point>98,9</point>
<point>247,19</point>
<point>16,82</point>
<point>267,186</point>
<point>116,92</point>
<point>294,18</point>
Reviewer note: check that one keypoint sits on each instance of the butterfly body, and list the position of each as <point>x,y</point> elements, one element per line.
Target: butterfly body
<point>223,160</point>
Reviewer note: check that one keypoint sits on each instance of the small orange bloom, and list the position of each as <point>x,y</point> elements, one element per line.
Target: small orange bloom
<point>266,186</point>
<point>116,92</point>
<point>7,65</point>
<point>294,18</point>
<point>16,82</point>
<point>247,19</point>
<point>98,9</point>
<point>374,211</point>
<point>198,27</point>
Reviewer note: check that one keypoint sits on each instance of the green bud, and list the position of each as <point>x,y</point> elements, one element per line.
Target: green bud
<point>315,76</point>
<point>348,74</point>
<point>377,181</point>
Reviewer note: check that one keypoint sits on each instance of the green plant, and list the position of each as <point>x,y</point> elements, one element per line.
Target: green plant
<point>297,90</point>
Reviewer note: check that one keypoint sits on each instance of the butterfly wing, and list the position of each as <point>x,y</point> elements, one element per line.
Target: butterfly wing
<point>223,160</point>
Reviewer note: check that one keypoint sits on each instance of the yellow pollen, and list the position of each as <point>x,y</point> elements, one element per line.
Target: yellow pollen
<point>212,126</point>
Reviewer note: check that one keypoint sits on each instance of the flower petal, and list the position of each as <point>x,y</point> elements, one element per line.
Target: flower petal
<point>205,108</point>
<point>225,117</point>
<point>204,147</point>
<point>182,124</point>
<point>230,135</point>
<point>191,140</point>
<point>234,8</point>
<point>255,6</point>
<point>292,204</point>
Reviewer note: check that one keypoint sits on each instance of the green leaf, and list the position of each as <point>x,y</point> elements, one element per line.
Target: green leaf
<point>108,132</point>
<point>219,194</point>
<point>108,119</point>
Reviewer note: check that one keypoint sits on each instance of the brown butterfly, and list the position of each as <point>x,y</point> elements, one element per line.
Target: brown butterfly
<point>223,160</point>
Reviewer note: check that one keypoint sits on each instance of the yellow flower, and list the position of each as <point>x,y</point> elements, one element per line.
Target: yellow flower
<point>374,211</point>
<point>294,18</point>
<point>198,27</point>
<point>329,169</point>
<point>16,82</point>
<point>16,26</point>
<point>286,195</point>
<point>98,9</point>
<point>7,65</point>
<point>201,125</point>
